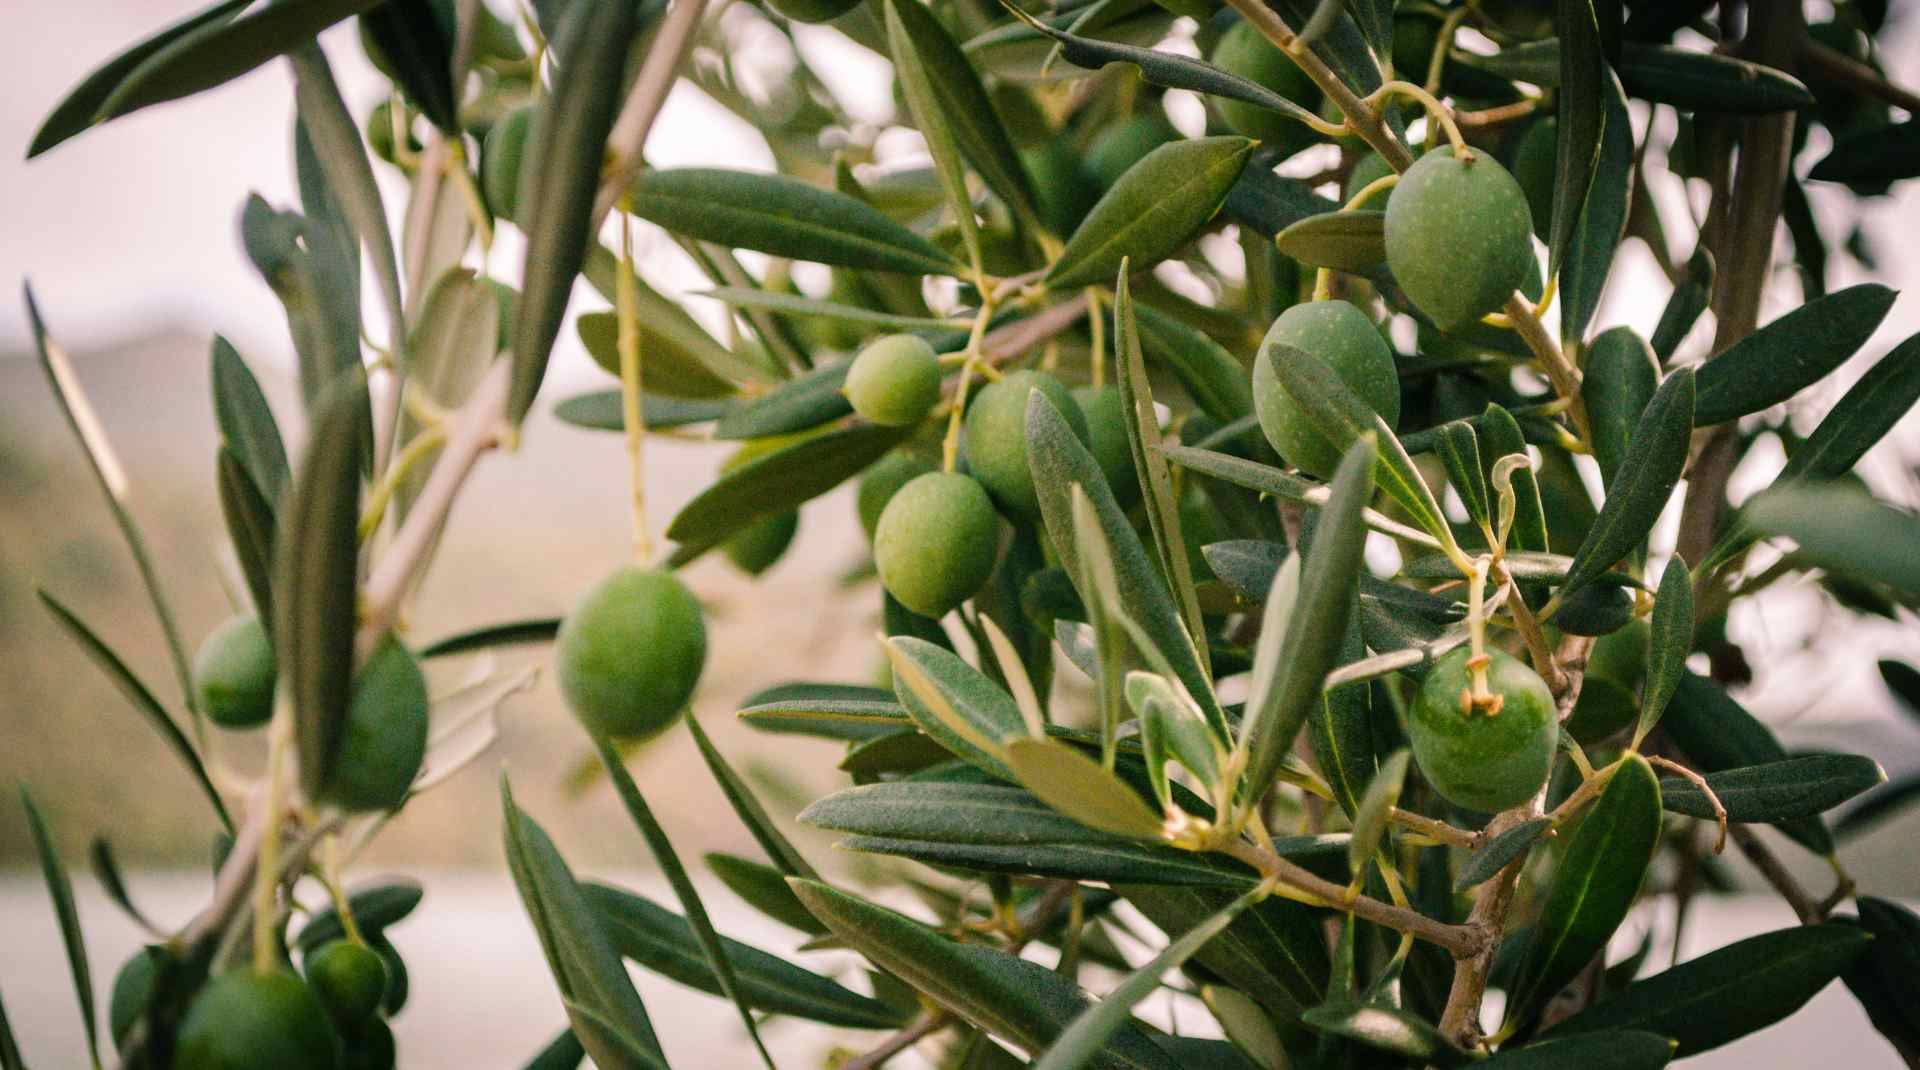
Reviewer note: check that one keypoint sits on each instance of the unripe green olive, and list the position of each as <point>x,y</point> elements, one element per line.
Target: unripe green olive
<point>245,1020</point>
<point>631,652</point>
<point>882,480</point>
<point>1609,699</point>
<point>233,673</point>
<point>1107,417</point>
<point>500,157</point>
<point>133,990</point>
<point>936,542</point>
<point>1459,236</point>
<point>996,436</point>
<point>895,381</point>
<point>1534,159</point>
<point>1244,51</point>
<point>1341,335</point>
<point>369,1047</point>
<point>1127,143</point>
<point>756,547</point>
<point>349,978</point>
<point>385,736</point>
<point>1477,758</point>
<point>813,10</point>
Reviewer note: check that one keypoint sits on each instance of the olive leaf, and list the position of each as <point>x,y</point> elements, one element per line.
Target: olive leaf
<point>316,578</point>
<point>1212,376</point>
<point>1459,449</point>
<point>1078,786</point>
<point>909,27</point>
<point>1389,1029</point>
<point>1152,210</point>
<point>1283,485</point>
<point>1786,356</point>
<point>1376,806</point>
<point>602,410</point>
<point>1276,951</point>
<point>1669,645</point>
<point>681,359</point>
<point>1346,240</point>
<point>411,46</point>
<point>1245,1024</point>
<point>1498,853</point>
<point>1341,728</point>
<point>1845,530</point>
<point>106,870</point>
<point>764,888</point>
<point>796,305</point>
<point>1594,886</point>
<point>277,244</point>
<point>777,482</point>
<point>1715,734</point>
<point>375,907</point>
<point>1708,81</point>
<point>564,1052</point>
<point>569,138</point>
<point>1500,434</point>
<point>246,422</point>
<point>1642,485</point>
<point>955,703</point>
<point>1613,1049</point>
<point>1777,791</point>
<point>1621,377</point>
<point>1582,80</point>
<point>1603,217</point>
<point>748,808</point>
<point>1876,154</point>
<point>1728,993</point>
<point>803,402</point>
<point>1689,298</point>
<point>1878,978</point>
<point>60,890</point>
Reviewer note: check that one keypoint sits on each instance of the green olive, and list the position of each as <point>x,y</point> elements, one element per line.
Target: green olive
<point>631,652</point>
<point>1126,143</point>
<point>1244,51</point>
<point>936,542</point>
<point>1609,695</point>
<point>756,547</point>
<point>500,157</point>
<point>385,737</point>
<point>1476,758</point>
<point>1107,418</point>
<point>996,436</point>
<point>881,481</point>
<point>133,990</point>
<point>895,381</point>
<point>350,979</point>
<point>369,1047</point>
<point>233,673</point>
<point>1340,334</point>
<point>245,1020</point>
<point>1533,168</point>
<point>1459,236</point>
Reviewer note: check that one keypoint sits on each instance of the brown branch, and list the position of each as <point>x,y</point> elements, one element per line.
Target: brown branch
<point>1776,874</point>
<point>929,1023</point>
<point>1850,73</point>
<point>1463,941</point>
<point>1460,1021</point>
<point>1698,781</point>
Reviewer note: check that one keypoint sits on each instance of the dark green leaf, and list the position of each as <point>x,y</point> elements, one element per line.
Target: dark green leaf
<point>600,410</point>
<point>1878,807</point>
<point>142,699</point>
<point>316,584</point>
<point>796,405</point>
<point>1459,450</point>
<point>77,110</point>
<point>1669,645</point>
<point>1603,218</point>
<point>681,359</point>
<point>220,50</point>
<point>1500,437</point>
<point>1345,240</point>
<point>250,527</point>
<point>60,889</point>
<point>512,633</point>
<point>1882,976</point>
<point>1389,1029</point>
<point>1621,377</point>
<point>106,870</point>
<point>1777,791</point>
<point>412,46</point>
<point>1496,854</point>
<point>1018,1001</point>
<point>748,808</point>
<point>779,481</point>
<point>1341,729</point>
<point>663,942</point>
<point>1843,530</point>
<point>1594,886</point>
<point>764,888</point>
<point>1615,1049</point>
<point>375,907</point>
<point>1689,298</point>
<point>1716,734</point>
<point>1152,210</point>
<point>1212,376</point>
<point>563,1053</point>
<point>1376,807</point>
<point>1727,994</point>
<point>1270,203</point>
<point>1583,82</point>
<point>955,703</point>
<point>246,422</point>
<point>1693,80</point>
<point>9,1050</point>
<point>1875,155</point>
<point>1276,952</point>
<point>1786,356</point>
<point>1643,484</point>
<point>569,138</point>
<point>788,304</point>
<point>290,251</point>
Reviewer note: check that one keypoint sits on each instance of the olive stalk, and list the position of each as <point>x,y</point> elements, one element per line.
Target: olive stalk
<point>1443,47</point>
<point>1463,941</point>
<point>266,877</point>
<point>950,447</point>
<point>632,410</point>
<point>628,138</point>
<point>1698,781</point>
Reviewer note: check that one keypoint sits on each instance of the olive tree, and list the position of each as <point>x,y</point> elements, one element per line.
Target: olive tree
<point>1260,511</point>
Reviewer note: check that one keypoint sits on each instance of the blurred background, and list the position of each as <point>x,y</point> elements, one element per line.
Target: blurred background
<point>130,238</point>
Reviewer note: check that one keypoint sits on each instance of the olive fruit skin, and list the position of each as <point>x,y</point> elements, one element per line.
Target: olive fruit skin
<point>500,157</point>
<point>1478,760</point>
<point>631,652</point>
<point>1106,415</point>
<point>1126,144</point>
<point>369,1047</point>
<point>1244,51</point>
<point>132,990</point>
<point>1459,236</point>
<point>349,978</point>
<point>996,436</point>
<point>881,481</point>
<point>758,546</point>
<point>1340,334</point>
<point>895,381</point>
<point>385,737</point>
<point>234,675</point>
<point>1609,699</point>
<point>253,1021</point>
<point>936,543</point>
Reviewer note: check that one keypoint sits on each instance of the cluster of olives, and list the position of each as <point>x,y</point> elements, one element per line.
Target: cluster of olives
<point>384,739</point>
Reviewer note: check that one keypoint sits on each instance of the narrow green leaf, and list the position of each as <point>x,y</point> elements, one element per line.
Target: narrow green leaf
<point>614,1029</point>
<point>1275,952</point>
<point>1022,1003</point>
<point>1152,210</point>
<point>220,50</point>
<point>316,578</point>
<point>1389,1029</point>
<point>1268,203</point>
<point>600,410</point>
<point>76,111</point>
<point>563,1053</point>
<point>910,27</point>
<point>784,216</point>
<point>1582,71</point>
<point>141,698</point>
<point>1777,791</point>
<point>1621,377</point>
<point>1843,530</point>
<point>1347,240</point>
<point>1498,853</point>
<point>1212,376</point>
<point>1877,154</point>
<point>1880,977</point>
<point>1078,786</point>
<point>9,1049</point>
<point>1729,993</point>
<point>375,907</point>
<point>764,888</point>
<point>1689,298</point>
<point>782,852</point>
<point>955,703</point>
<point>1692,80</point>
<point>664,942</point>
<point>1594,886</point>
<point>511,633</point>
<point>717,961</point>
<point>1081,1041</point>
<point>779,481</point>
<point>1671,642</point>
<point>1246,1025</point>
<point>246,422</point>
<point>1786,356</point>
<point>290,252</point>
<point>569,138</point>
<point>1716,734</point>
<point>1283,485</point>
<point>1459,449</point>
<point>1642,485</point>
<point>1500,437</point>
<point>410,45</point>
<point>60,889</point>
<point>803,402</point>
<point>795,305</point>
<point>1341,728</point>
<point>1590,247</point>
<point>1614,1049</point>
<point>1285,692</point>
<point>681,359</point>
<point>250,527</point>
<point>106,870</point>
<point>1376,806</point>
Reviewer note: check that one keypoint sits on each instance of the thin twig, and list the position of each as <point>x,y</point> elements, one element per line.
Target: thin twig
<point>929,1023</point>
<point>1776,874</point>
<point>1851,73</point>
<point>628,138</point>
<point>1698,781</point>
<point>1464,941</point>
<point>1460,1020</point>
